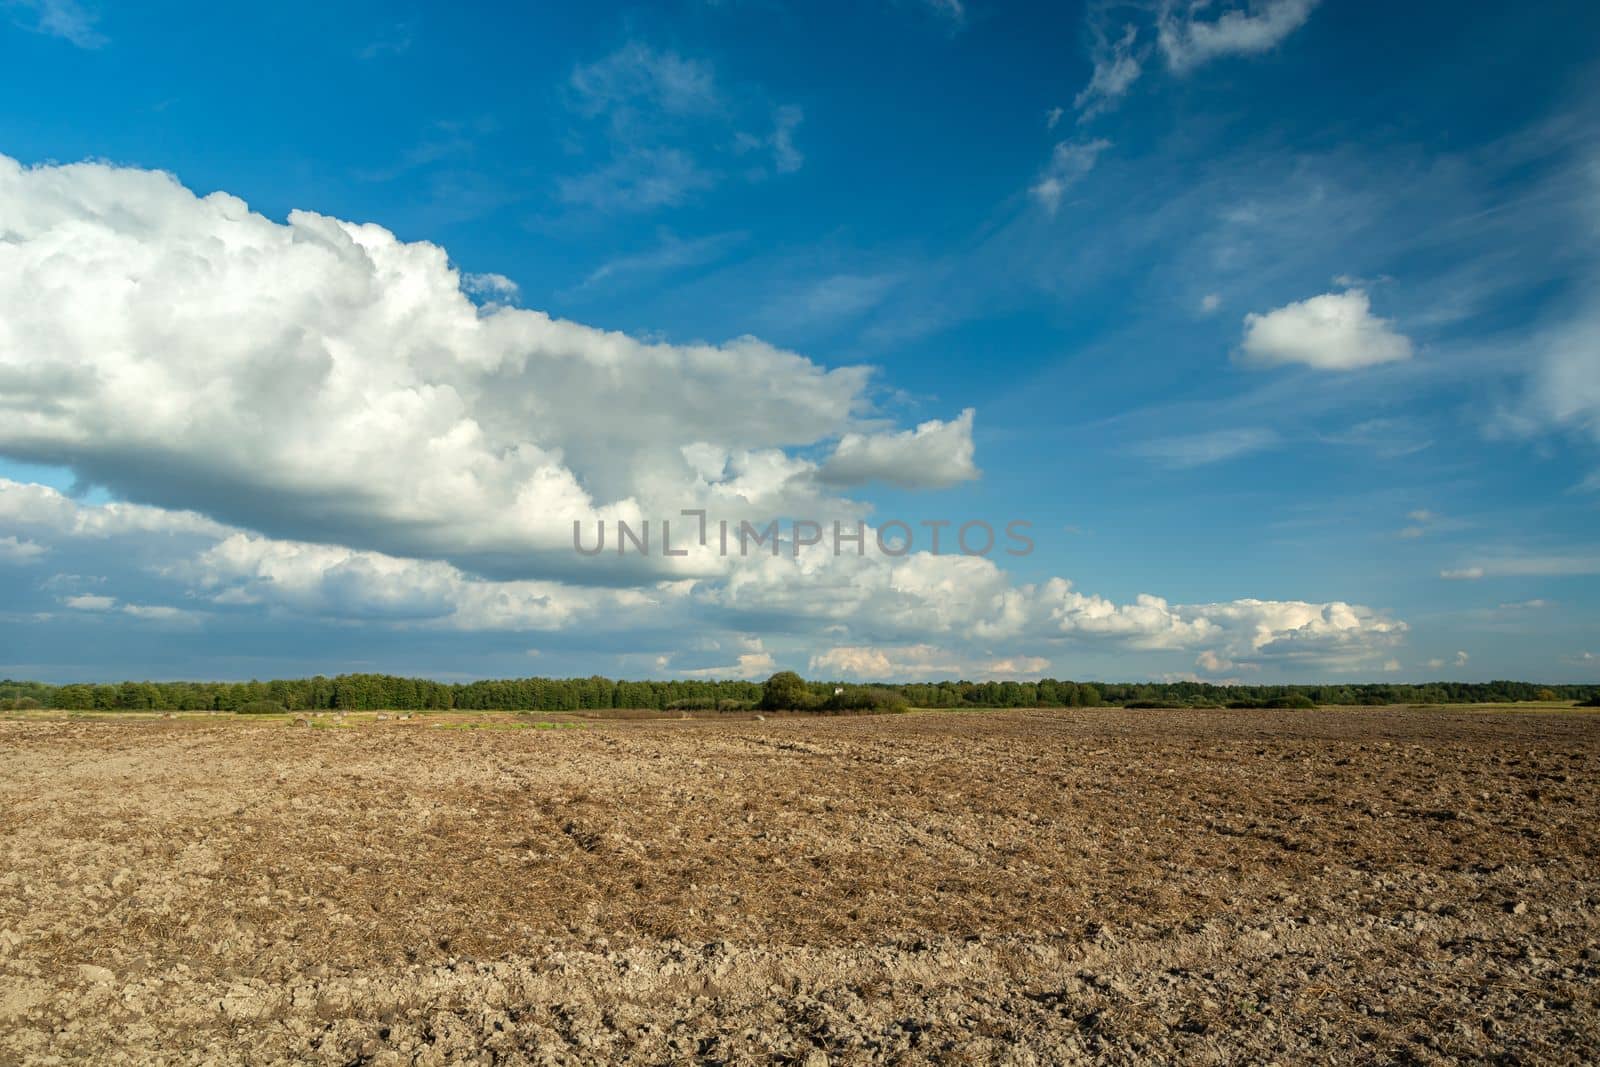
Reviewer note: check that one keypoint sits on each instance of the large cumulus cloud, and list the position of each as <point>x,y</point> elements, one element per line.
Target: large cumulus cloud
<point>324,380</point>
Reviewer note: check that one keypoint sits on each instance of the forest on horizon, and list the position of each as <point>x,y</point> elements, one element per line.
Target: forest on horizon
<point>360,692</point>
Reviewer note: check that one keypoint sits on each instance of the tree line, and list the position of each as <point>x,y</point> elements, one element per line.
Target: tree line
<point>365,692</point>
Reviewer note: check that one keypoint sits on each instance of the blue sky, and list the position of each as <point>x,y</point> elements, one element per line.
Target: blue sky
<point>1277,321</point>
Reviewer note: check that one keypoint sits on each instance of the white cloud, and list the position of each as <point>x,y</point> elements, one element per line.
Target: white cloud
<point>1388,438</point>
<point>1334,331</point>
<point>1116,68</point>
<point>330,582</point>
<point>1293,631</point>
<point>67,19</point>
<point>1461,659</point>
<point>833,299</point>
<point>1188,39</point>
<point>920,662</point>
<point>1565,385</point>
<point>755,662</point>
<point>1187,36</point>
<point>638,76</point>
<point>672,252</point>
<point>395,40</point>
<point>159,613</point>
<point>1070,162</point>
<point>916,596</point>
<point>786,158</point>
<point>1209,303</point>
<point>853,661</point>
<point>933,605</point>
<point>1462,574</point>
<point>1017,667</point>
<point>1147,623</point>
<point>639,179</point>
<point>16,550</point>
<point>1215,446</point>
<point>324,381</point>
<point>922,597</point>
<point>934,455</point>
<point>162,613</point>
<point>654,105</point>
<point>1421,521</point>
<point>222,566</point>
<point>1052,118</point>
<point>28,505</point>
<point>1526,567</point>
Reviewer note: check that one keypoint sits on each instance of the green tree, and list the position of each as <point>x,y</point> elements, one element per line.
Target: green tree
<point>785,691</point>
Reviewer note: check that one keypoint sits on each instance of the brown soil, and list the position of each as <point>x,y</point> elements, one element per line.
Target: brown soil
<point>1031,887</point>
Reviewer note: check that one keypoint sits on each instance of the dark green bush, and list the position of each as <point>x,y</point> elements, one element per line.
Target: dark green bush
<point>867,698</point>
<point>785,691</point>
<point>260,707</point>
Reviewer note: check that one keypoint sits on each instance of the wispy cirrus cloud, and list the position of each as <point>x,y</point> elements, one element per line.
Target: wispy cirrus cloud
<point>830,299</point>
<point>670,130</point>
<point>1187,34</point>
<point>1532,566</point>
<point>637,83</point>
<point>66,19</point>
<point>1117,65</point>
<point>639,179</point>
<point>1388,438</point>
<point>669,253</point>
<point>785,157</point>
<point>1070,163</point>
<point>953,13</point>
<point>1213,446</point>
<point>1188,38</point>
<point>394,40</point>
